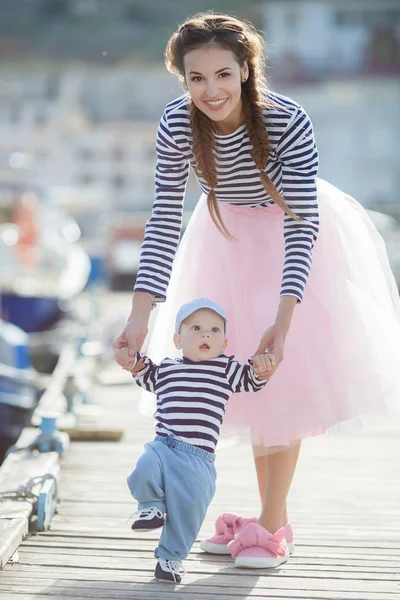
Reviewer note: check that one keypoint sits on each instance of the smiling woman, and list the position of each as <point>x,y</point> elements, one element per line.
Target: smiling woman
<point>216,90</point>
<point>254,246</point>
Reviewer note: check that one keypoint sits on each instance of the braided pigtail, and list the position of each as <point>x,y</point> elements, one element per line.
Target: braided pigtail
<point>253,105</point>
<point>203,145</point>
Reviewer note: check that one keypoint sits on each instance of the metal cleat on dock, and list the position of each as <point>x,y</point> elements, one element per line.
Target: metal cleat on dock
<point>49,438</point>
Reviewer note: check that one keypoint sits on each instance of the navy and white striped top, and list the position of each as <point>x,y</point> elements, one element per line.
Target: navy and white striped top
<point>292,166</point>
<point>192,396</point>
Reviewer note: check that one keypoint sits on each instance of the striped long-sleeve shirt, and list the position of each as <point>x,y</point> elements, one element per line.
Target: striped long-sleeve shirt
<point>192,396</point>
<point>292,166</point>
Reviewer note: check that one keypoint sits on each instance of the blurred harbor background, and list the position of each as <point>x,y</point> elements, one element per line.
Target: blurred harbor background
<point>82,87</point>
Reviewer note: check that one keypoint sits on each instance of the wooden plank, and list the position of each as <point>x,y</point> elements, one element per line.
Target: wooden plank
<point>197,553</point>
<point>12,532</point>
<point>9,509</point>
<point>98,431</point>
<point>108,538</point>
<point>154,589</point>
<point>343,506</point>
<point>17,471</point>
<point>19,467</point>
<point>147,564</point>
<point>168,592</point>
<point>122,563</point>
<point>295,571</point>
<point>131,543</point>
<point>260,584</point>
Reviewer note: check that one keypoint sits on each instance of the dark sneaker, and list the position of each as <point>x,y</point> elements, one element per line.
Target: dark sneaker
<point>148,519</point>
<point>170,571</point>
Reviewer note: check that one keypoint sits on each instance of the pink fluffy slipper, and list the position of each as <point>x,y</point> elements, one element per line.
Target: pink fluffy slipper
<point>255,548</point>
<point>226,527</point>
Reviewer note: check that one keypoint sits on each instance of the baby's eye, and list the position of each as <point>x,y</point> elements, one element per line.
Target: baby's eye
<point>216,329</point>
<point>195,328</point>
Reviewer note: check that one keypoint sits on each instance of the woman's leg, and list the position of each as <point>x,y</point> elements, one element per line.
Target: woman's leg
<point>274,474</point>
<point>261,470</point>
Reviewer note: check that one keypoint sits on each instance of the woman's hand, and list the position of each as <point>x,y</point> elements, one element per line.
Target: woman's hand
<point>128,343</point>
<point>136,329</point>
<point>272,341</point>
<point>132,337</point>
<point>262,365</point>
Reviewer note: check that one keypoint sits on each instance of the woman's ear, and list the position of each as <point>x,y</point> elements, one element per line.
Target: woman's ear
<point>177,341</point>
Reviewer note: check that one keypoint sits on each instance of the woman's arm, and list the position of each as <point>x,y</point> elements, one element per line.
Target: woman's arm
<point>284,314</point>
<point>163,229</point>
<point>273,339</point>
<point>161,237</point>
<point>298,155</point>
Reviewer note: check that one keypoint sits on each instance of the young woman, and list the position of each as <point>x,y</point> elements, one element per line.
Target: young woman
<point>278,249</point>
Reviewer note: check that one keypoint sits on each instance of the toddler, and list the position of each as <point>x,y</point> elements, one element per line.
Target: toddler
<point>174,479</point>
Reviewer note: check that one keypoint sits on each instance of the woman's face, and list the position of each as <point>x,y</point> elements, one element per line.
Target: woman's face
<point>214,81</point>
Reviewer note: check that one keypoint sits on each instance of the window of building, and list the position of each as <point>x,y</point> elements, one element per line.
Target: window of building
<point>85,179</point>
<point>118,153</point>
<point>118,181</point>
<point>15,113</point>
<point>348,18</point>
<point>86,154</point>
<point>40,119</point>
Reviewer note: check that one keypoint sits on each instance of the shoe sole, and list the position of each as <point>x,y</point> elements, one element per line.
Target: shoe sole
<point>249,562</point>
<point>223,549</point>
<point>142,530</point>
<point>167,580</point>
<point>214,548</point>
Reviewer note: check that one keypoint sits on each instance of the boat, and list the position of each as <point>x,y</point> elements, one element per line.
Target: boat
<point>42,265</point>
<point>18,385</point>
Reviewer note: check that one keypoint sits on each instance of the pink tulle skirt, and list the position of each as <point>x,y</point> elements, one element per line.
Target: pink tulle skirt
<point>342,359</point>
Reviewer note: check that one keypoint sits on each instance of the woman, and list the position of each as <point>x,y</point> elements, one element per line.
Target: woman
<point>277,249</point>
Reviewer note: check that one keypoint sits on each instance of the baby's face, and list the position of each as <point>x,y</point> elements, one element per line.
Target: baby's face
<point>202,335</point>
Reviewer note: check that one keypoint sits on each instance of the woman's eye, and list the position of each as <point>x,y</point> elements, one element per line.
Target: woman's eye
<point>196,79</point>
<point>224,75</point>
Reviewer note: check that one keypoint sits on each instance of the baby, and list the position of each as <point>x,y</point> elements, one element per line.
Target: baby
<point>174,479</point>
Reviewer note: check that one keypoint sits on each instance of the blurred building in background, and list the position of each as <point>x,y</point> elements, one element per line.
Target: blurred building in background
<point>341,60</point>
<point>83,86</point>
<point>323,38</point>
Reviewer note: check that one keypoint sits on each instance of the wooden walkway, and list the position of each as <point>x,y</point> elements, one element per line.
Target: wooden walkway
<point>345,510</point>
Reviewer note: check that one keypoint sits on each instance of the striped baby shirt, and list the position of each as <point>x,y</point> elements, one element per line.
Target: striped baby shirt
<point>292,166</point>
<point>192,396</point>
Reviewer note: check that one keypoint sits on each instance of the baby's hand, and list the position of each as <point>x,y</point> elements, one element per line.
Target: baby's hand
<point>263,364</point>
<point>123,359</point>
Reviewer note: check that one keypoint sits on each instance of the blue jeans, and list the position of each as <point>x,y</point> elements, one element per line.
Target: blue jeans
<point>178,479</point>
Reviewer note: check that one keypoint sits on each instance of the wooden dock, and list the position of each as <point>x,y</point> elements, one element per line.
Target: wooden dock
<point>344,506</point>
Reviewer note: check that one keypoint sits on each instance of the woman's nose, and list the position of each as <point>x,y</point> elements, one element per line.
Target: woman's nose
<point>212,90</point>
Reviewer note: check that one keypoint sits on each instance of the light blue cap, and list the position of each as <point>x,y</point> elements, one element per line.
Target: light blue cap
<point>190,307</point>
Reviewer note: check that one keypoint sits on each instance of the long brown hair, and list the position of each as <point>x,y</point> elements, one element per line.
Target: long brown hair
<point>242,39</point>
